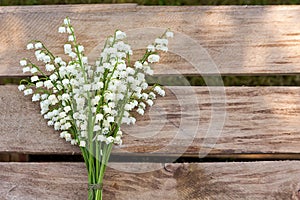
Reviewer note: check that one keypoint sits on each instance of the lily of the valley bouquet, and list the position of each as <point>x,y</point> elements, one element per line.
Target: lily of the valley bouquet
<point>88,103</point>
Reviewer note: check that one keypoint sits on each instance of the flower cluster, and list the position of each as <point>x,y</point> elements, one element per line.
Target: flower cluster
<point>86,102</point>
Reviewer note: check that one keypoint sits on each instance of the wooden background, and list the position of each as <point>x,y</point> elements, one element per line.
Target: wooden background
<point>249,123</point>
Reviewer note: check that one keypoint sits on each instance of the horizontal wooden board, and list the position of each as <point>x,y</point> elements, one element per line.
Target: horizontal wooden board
<point>189,120</point>
<point>231,40</point>
<point>258,180</point>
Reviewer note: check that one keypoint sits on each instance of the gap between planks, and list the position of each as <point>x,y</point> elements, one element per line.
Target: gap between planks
<point>148,157</point>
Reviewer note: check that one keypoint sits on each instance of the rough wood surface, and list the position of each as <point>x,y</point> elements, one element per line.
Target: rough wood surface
<point>258,120</point>
<point>228,181</point>
<point>238,39</point>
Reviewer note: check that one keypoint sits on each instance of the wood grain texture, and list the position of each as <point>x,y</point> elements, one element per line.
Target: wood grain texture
<point>228,181</point>
<point>188,119</point>
<point>234,40</point>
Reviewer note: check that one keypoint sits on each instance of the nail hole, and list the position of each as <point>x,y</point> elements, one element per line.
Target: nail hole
<point>169,170</point>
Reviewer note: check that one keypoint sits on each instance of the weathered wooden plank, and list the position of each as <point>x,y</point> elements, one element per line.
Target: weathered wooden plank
<point>238,39</point>
<point>258,120</point>
<point>258,180</point>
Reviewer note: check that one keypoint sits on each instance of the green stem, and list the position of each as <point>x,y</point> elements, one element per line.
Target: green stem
<point>105,157</point>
